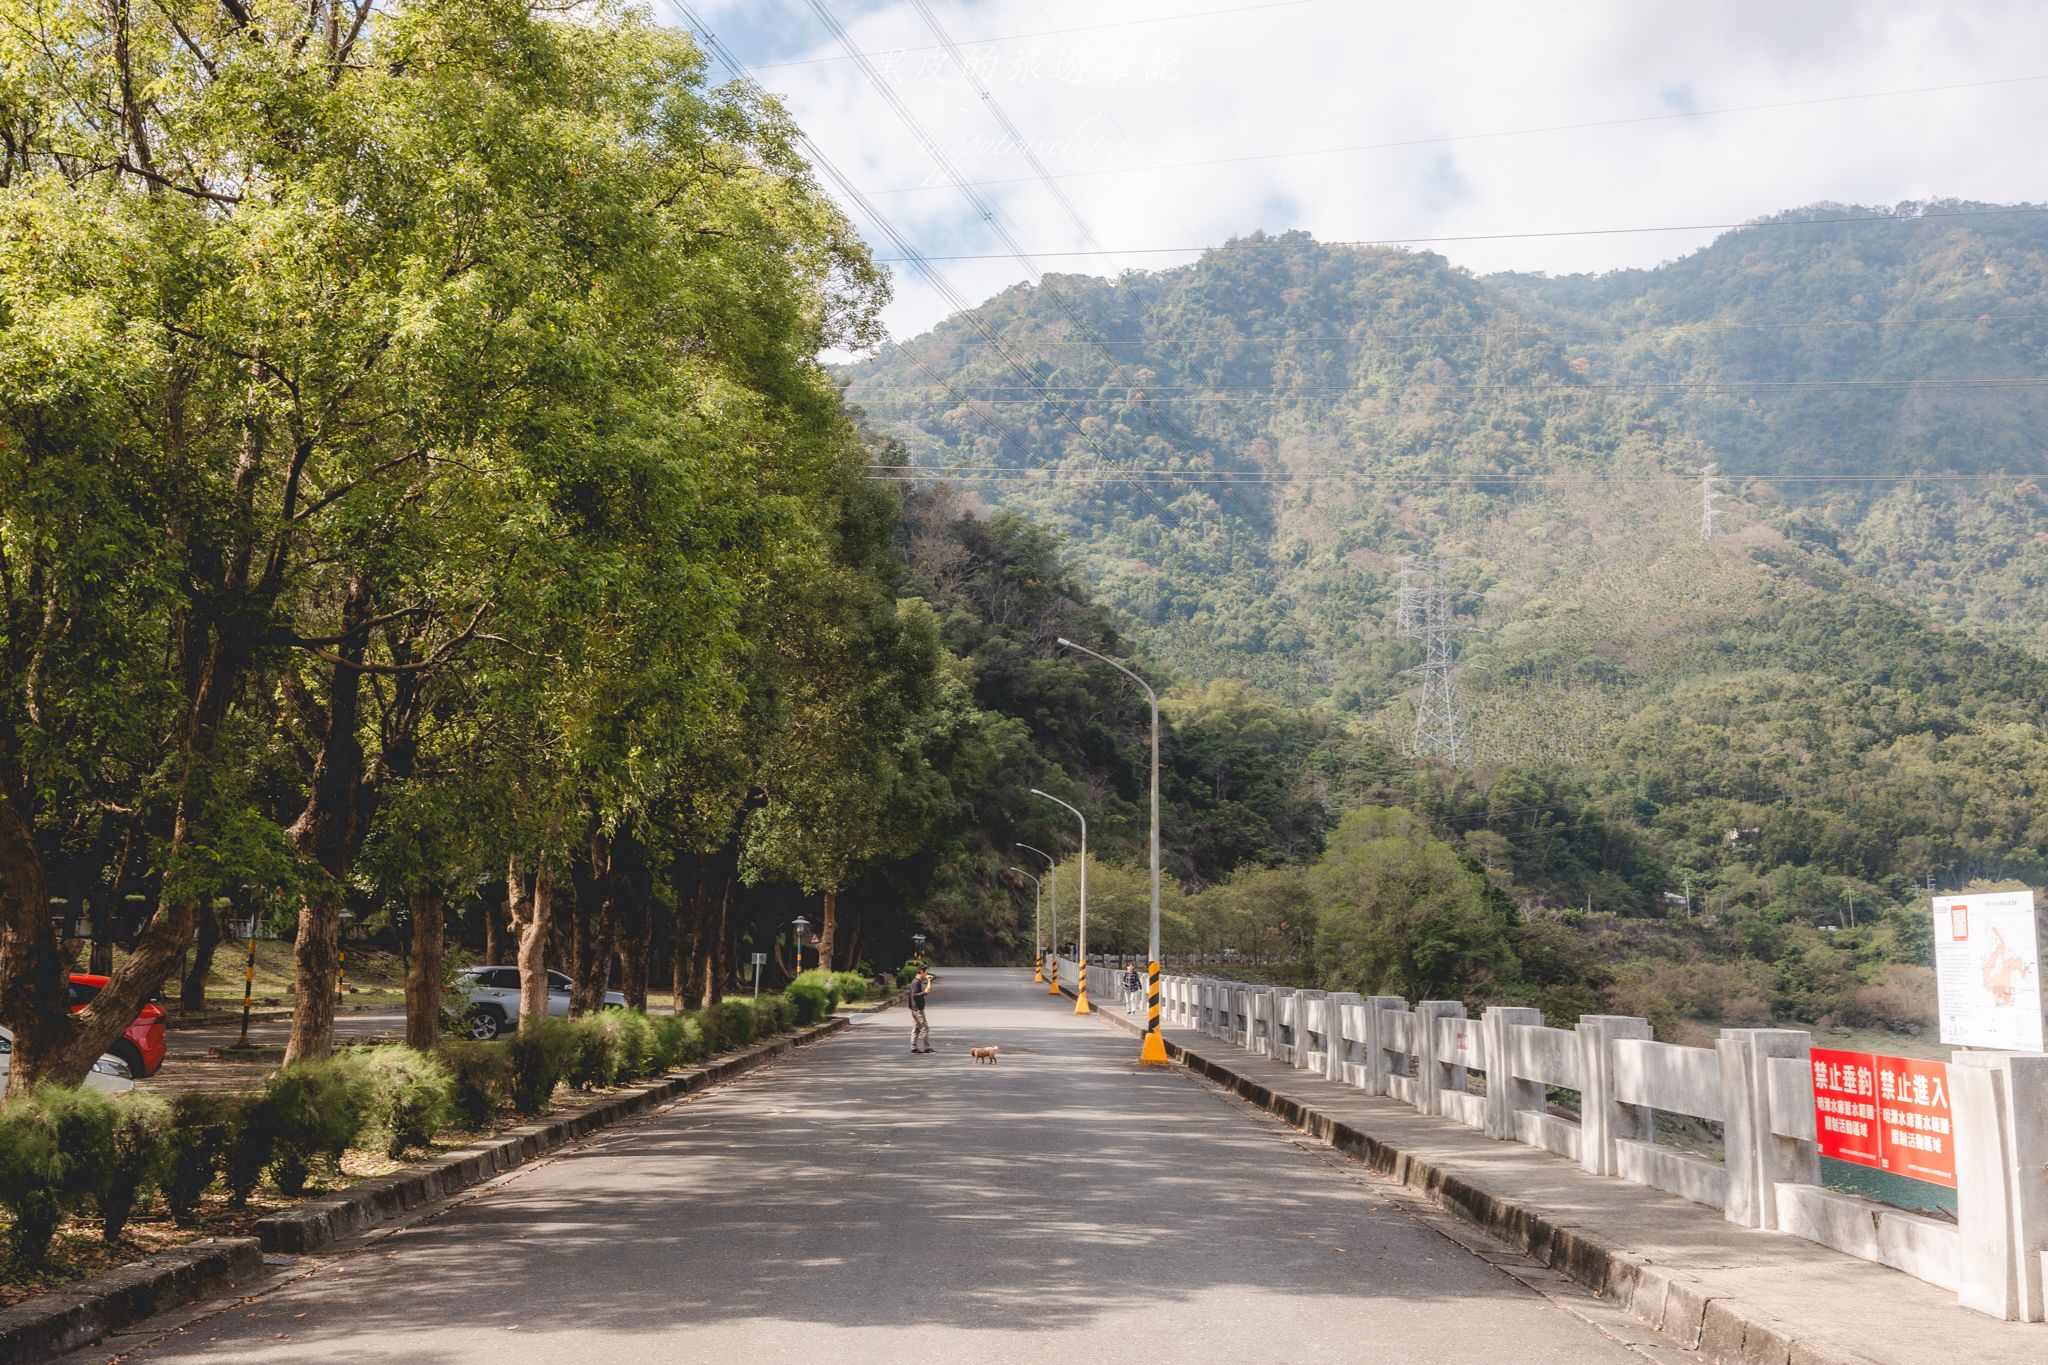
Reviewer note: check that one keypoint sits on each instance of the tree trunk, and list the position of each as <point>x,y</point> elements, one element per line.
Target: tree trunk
<point>828,921</point>
<point>423,973</point>
<point>632,913</point>
<point>689,928</point>
<point>192,992</point>
<point>316,961</point>
<point>591,932</point>
<point>853,944</point>
<point>713,954</point>
<point>328,832</point>
<point>530,922</point>
<point>494,933</point>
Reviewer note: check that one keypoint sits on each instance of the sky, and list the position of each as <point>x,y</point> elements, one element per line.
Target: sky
<point>1173,124</point>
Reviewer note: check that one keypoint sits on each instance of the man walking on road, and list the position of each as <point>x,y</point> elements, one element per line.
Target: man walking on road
<point>1134,985</point>
<point>920,1033</point>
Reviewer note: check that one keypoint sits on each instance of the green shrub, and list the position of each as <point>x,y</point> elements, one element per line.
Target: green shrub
<point>680,1039</point>
<point>31,1176</point>
<point>539,1055</point>
<point>635,1038</point>
<point>84,1122</point>
<point>905,972</point>
<point>249,1142</point>
<point>772,1015</point>
<point>828,982</point>
<point>809,1001</point>
<point>730,1024</point>
<point>852,986</point>
<point>480,1081</point>
<point>195,1146</point>
<point>141,1155</point>
<point>412,1096</point>
<point>318,1109</point>
<point>596,1053</point>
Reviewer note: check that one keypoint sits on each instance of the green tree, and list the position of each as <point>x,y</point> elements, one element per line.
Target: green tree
<point>1400,912</point>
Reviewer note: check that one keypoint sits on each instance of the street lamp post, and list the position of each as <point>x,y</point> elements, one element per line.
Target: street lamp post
<point>917,941</point>
<point>1037,921</point>
<point>800,924</point>
<point>1153,1052</point>
<point>1081,935</point>
<point>1052,938</point>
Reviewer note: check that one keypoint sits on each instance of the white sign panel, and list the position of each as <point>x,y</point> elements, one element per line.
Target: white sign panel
<point>1987,969</point>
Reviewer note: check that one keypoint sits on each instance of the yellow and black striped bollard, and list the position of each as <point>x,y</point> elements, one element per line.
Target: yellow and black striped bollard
<point>1154,1051</point>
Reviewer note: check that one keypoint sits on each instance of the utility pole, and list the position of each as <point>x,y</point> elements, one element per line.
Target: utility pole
<point>1710,494</point>
<point>1425,612</point>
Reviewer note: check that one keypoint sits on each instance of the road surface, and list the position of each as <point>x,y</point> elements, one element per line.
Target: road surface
<point>857,1203</point>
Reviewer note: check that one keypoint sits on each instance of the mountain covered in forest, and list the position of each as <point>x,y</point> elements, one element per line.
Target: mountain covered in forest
<point>1834,698</point>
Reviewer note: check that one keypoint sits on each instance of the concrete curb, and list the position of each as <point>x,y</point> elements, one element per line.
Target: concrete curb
<point>1676,1305</point>
<point>51,1324</point>
<point>317,1224</point>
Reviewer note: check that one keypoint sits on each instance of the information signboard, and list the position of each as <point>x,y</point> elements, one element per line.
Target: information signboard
<point>1888,1113</point>
<point>1987,970</point>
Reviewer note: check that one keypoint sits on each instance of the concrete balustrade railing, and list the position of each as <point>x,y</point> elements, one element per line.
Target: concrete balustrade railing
<point>1592,1093</point>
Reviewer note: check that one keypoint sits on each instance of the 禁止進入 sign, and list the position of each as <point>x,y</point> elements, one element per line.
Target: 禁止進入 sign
<point>1987,969</point>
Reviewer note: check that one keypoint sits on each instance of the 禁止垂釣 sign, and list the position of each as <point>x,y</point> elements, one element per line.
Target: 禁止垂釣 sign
<point>1888,1113</point>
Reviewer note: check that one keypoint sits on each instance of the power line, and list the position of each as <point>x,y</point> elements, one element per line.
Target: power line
<point>1066,474</point>
<point>1590,331</point>
<point>1255,243</point>
<point>1352,148</point>
<point>1047,33</point>
<point>1162,393</point>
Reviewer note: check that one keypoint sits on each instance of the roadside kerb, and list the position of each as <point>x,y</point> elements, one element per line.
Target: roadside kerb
<point>65,1320</point>
<point>1690,1310</point>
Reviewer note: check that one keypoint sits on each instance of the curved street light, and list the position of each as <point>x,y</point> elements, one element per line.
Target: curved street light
<point>1153,1053</point>
<point>1037,918</point>
<point>1081,938</point>
<point>1052,938</point>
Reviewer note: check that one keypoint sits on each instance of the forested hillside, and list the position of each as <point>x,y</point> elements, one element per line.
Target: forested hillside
<point>1831,701</point>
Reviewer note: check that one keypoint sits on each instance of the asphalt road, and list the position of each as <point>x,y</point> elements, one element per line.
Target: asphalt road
<point>857,1203</point>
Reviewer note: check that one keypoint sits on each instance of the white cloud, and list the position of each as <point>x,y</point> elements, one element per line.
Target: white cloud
<point>1342,72</point>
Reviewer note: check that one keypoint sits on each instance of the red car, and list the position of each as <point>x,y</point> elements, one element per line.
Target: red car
<point>142,1046</point>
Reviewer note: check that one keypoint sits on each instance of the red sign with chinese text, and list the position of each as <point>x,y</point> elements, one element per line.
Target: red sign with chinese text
<point>1890,1113</point>
<point>1914,1122</point>
<point>1845,1106</point>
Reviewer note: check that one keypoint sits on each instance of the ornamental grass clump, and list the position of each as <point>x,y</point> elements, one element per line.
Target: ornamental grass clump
<point>31,1178</point>
<point>540,1053</point>
<point>853,987</point>
<point>730,1024</point>
<point>317,1109</point>
<point>140,1159</point>
<point>808,1000</point>
<point>479,1081</point>
<point>194,1148</point>
<point>411,1095</point>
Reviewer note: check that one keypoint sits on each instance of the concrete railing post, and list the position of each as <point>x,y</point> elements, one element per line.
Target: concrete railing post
<point>1284,1029</point>
<point>1344,1010</point>
<point>1758,1160</point>
<point>1312,1032</point>
<point>1999,1102</point>
<point>1259,1039</point>
<point>1505,1095</point>
<point>1602,1119</point>
<point>1378,1034</point>
<point>1432,1068</point>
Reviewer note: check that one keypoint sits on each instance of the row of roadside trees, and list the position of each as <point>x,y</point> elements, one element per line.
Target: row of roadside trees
<point>415,471</point>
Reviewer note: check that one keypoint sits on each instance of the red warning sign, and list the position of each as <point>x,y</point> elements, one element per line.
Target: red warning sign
<point>1889,1113</point>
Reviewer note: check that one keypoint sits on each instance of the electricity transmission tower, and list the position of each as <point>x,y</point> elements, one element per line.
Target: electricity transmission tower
<point>1424,612</point>
<point>1710,493</point>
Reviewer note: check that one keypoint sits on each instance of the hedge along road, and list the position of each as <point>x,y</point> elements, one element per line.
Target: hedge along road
<point>858,1203</point>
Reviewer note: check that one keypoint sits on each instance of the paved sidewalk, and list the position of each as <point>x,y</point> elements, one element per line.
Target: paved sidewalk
<point>1736,1293</point>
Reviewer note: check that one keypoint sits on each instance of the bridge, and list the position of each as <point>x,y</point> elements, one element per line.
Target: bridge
<point>860,1203</point>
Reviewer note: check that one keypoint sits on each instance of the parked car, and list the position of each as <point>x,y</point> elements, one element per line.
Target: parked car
<point>109,1073</point>
<point>494,999</point>
<point>142,1045</point>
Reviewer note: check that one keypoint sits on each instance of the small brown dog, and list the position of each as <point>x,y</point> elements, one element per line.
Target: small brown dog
<point>983,1054</point>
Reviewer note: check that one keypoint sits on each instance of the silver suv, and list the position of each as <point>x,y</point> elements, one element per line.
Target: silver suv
<point>494,999</point>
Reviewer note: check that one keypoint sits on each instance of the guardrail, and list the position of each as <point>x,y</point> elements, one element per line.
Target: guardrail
<point>1502,1073</point>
